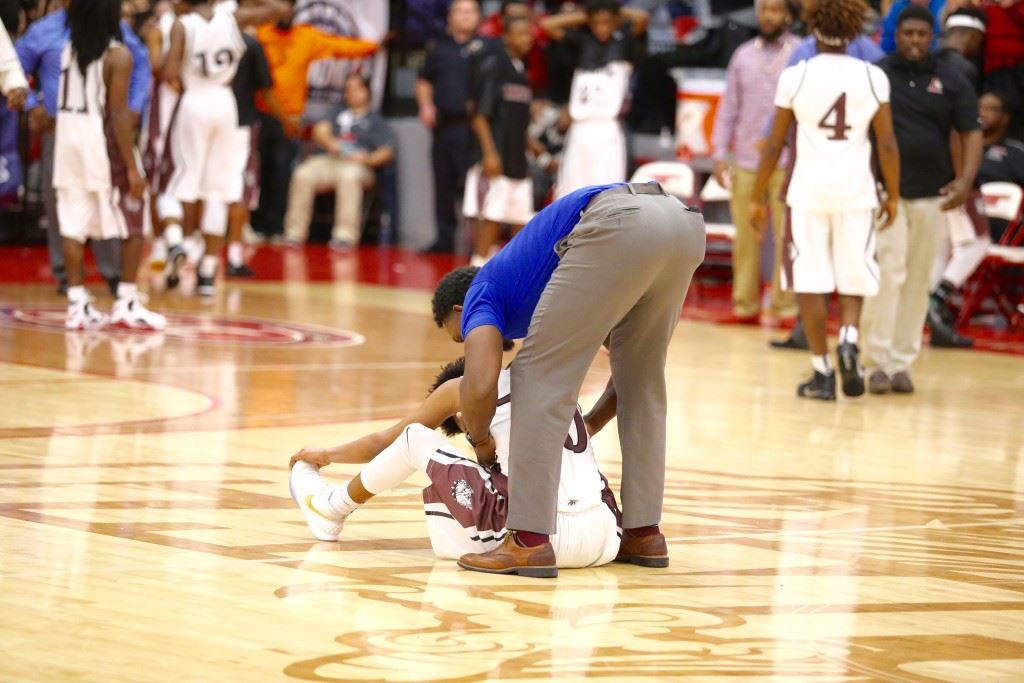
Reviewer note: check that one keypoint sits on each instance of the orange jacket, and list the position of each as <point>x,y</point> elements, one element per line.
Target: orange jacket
<point>290,51</point>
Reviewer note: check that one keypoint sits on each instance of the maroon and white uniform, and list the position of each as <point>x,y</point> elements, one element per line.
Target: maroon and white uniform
<point>466,505</point>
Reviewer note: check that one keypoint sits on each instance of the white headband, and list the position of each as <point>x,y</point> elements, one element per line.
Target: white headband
<point>830,40</point>
<point>965,21</point>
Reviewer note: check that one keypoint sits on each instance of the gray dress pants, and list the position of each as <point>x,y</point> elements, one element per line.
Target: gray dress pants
<point>623,275</point>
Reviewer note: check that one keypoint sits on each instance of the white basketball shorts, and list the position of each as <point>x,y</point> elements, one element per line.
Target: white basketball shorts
<point>831,251</point>
<point>499,199</point>
<point>210,153</point>
<point>87,215</point>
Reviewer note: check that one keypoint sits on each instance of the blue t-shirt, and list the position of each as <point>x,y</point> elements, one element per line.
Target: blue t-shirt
<point>39,51</point>
<point>505,292</point>
<point>861,47</point>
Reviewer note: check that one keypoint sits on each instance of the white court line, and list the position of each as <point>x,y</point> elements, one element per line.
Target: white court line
<point>829,532</point>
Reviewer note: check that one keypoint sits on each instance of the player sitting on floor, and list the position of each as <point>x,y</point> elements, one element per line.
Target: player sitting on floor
<point>466,503</point>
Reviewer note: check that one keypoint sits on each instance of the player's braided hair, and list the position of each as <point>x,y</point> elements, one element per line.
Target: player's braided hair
<point>451,292</point>
<point>838,20</point>
<point>457,368</point>
<point>93,24</point>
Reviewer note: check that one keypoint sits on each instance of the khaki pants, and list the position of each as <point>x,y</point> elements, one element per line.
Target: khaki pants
<point>892,321</point>
<point>746,249</point>
<point>622,276</point>
<point>323,173</point>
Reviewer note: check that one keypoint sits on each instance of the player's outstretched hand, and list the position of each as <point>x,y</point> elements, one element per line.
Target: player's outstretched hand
<point>317,457</point>
<point>757,217</point>
<point>887,212</point>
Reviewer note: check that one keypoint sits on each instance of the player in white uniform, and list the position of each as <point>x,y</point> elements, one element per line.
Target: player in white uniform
<point>835,100</point>
<point>209,155</point>
<point>165,211</point>
<point>93,89</point>
<point>465,504</point>
<point>595,149</point>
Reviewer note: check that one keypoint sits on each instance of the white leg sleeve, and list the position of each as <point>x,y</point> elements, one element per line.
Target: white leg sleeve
<point>215,218</point>
<point>965,260</point>
<point>408,453</point>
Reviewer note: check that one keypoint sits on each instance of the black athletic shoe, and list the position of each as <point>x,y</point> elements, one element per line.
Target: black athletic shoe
<point>820,387</point>
<point>240,271</point>
<point>175,259</point>
<point>797,339</point>
<point>205,286</point>
<point>943,334</point>
<point>850,370</point>
<point>438,248</point>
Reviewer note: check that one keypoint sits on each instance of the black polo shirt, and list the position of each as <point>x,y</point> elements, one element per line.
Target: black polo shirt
<point>252,76</point>
<point>929,100</point>
<point>448,68</point>
<point>502,95</point>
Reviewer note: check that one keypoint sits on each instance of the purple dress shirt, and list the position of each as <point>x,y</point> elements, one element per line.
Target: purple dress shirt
<point>748,100</point>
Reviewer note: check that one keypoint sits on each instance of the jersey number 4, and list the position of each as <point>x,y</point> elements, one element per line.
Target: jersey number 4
<point>838,115</point>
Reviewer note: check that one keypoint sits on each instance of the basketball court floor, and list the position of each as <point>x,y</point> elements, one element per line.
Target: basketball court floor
<point>147,533</point>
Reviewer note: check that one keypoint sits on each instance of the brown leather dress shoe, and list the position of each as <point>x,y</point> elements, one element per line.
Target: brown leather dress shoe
<point>511,558</point>
<point>645,551</point>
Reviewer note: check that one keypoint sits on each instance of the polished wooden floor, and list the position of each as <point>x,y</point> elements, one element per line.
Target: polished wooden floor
<point>147,534</point>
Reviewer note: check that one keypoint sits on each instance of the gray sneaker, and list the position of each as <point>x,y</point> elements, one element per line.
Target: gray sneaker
<point>878,383</point>
<point>901,383</point>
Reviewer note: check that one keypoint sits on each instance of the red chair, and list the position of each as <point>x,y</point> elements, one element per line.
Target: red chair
<point>995,278</point>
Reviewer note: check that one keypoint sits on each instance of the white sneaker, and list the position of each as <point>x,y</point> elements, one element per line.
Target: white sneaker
<point>305,484</point>
<point>82,316</point>
<point>132,314</point>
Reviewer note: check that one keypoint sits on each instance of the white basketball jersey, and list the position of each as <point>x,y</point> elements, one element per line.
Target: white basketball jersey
<point>81,140</point>
<point>834,99</point>
<point>212,48</point>
<point>599,94</point>
<point>581,483</point>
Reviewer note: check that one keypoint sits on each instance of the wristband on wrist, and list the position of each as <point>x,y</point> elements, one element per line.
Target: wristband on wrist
<point>473,443</point>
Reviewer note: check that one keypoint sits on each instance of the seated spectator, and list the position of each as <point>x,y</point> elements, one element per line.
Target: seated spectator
<point>1003,158</point>
<point>353,143</point>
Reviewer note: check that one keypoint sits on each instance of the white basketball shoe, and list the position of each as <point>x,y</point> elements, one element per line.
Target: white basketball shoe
<point>132,314</point>
<point>82,316</point>
<point>310,491</point>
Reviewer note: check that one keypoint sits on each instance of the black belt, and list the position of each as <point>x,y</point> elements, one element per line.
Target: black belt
<point>636,188</point>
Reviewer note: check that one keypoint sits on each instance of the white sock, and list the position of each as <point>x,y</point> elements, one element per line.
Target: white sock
<point>194,247</point>
<point>208,266</point>
<point>159,252</point>
<point>338,501</point>
<point>77,294</point>
<point>127,291</point>
<point>848,334</point>
<point>173,235</point>
<point>821,364</point>
<point>236,254</point>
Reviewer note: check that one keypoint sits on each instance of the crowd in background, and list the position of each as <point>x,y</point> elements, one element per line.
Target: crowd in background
<point>500,153</point>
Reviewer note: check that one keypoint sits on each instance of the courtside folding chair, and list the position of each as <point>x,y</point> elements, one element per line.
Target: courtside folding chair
<point>998,275</point>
